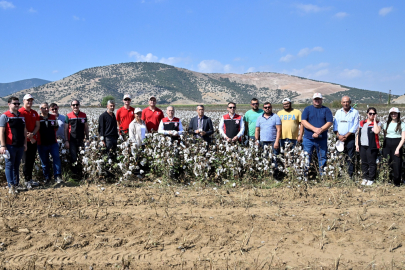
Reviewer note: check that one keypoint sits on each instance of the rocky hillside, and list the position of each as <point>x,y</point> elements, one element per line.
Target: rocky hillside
<point>12,87</point>
<point>178,86</point>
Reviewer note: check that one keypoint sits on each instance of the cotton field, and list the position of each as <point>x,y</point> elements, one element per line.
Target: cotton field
<point>191,161</point>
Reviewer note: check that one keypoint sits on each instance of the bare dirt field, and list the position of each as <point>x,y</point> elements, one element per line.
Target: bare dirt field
<point>161,227</point>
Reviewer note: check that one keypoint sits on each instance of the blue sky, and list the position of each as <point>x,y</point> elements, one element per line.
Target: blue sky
<point>356,43</point>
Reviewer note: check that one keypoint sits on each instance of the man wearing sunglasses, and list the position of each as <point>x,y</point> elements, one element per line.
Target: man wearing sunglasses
<point>76,131</point>
<point>125,115</point>
<point>268,129</point>
<point>251,117</point>
<point>32,124</point>
<point>345,126</point>
<point>232,126</point>
<point>61,119</point>
<point>13,139</point>
<point>317,119</point>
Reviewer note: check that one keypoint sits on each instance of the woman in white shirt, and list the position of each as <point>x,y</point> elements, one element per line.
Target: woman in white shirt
<point>137,129</point>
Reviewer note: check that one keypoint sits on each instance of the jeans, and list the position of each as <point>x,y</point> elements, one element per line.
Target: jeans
<point>29,160</point>
<point>111,147</point>
<point>394,161</point>
<point>350,147</point>
<point>292,143</point>
<point>13,164</point>
<point>321,148</point>
<point>53,150</point>
<point>368,158</point>
<point>275,151</point>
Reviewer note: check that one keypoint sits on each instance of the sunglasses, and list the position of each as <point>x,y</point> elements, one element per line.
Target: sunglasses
<point>75,105</point>
<point>232,107</point>
<point>46,108</point>
<point>269,107</point>
<point>371,113</point>
<point>54,109</point>
<point>255,104</point>
<point>127,99</point>
<point>16,103</point>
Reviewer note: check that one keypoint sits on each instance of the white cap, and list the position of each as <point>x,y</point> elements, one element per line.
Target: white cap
<point>394,109</point>
<point>27,96</point>
<point>152,97</point>
<point>286,100</point>
<point>317,95</point>
<point>127,96</point>
<point>340,146</point>
<point>137,110</point>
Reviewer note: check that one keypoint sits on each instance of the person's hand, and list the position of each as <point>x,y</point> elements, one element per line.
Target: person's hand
<point>396,152</point>
<point>103,142</point>
<point>357,148</point>
<point>228,139</point>
<point>299,139</point>
<point>67,144</point>
<point>315,135</point>
<point>196,131</point>
<point>25,147</point>
<point>276,145</point>
<point>317,130</point>
<point>32,140</point>
<point>202,133</point>
<point>234,139</point>
<point>3,150</point>
<point>257,142</point>
<point>342,138</point>
<point>30,135</point>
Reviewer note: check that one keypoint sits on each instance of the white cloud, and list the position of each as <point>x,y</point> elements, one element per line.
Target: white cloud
<point>76,18</point>
<point>306,51</point>
<point>6,5</point>
<point>311,71</point>
<point>210,66</point>
<point>55,71</point>
<point>286,58</point>
<point>385,11</point>
<point>251,69</point>
<point>170,60</point>
<point>351,73</point>
<point>237,59</point>
<point>281,50</point>
<point>309,8</point>
<point>321,73</point>
<point>32,10</point>
<point>341,15</point>
<point>143,58</point>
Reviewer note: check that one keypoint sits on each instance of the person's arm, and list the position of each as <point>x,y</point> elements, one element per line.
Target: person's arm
<point>221,128</point>
<point>210,128</point>
<point>101,126</point>
<point>401,143</point>
<point>307,125</point>
<point>257,134</point>
<point>277,141</point>
<point>161,130</point>
<point>131,130</point>
<point>37,125</point>
<point>356,141</point>
<point>3,140</point>
<point>25,141</point>
<point>241,129</point>
<point>67,132</point>
<point>86,130</point>
<point>181,130</point>
<point>377,128</point>
<point>190,128</point>
<point>117,117</point>
<point>355,125</point>
<point>300,136</point>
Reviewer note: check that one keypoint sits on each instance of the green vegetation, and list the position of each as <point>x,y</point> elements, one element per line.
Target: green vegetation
<point>105,100</point>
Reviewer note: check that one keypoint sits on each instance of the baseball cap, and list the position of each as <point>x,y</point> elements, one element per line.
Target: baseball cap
<point>127,96</point>
<point>27,96</point>
<point>317,95</point>
<point>137,110</point>
<point>394,109</point>
<point>286,100</point>
<point>152,97</point>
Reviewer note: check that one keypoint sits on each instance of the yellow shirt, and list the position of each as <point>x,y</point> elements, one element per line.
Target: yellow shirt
<point>290,122</point>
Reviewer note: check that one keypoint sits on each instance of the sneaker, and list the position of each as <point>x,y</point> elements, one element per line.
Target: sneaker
<point>11,190</point>
<point>364,182</point>
<point>34,184</point>
<point>369,183</point>
<point>46,181</point>
<point>59,179</point>
<point>28,185</point>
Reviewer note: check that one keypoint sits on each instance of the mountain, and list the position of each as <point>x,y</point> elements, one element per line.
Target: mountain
<point>9,88</point>
<point>181,86</point>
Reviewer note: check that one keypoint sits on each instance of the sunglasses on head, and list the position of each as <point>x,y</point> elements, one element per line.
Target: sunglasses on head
<point>232,107</point>
<point>372,113</point>
<point>75,105</point>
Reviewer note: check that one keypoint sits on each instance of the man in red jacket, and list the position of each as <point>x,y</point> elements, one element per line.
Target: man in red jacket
<point>125,115</point>
<point>152,115</point>
<point>231,126</point>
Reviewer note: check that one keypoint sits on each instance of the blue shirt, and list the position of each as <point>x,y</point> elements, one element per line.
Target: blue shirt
<point>268,130</point>
<point>346,122</point>
<point>316,117</point>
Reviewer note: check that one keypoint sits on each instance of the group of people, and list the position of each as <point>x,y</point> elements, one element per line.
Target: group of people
<point>24,132</point>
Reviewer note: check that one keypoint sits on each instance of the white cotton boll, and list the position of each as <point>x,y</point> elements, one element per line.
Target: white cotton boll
<point>63,151</point>
<point>141,172</point>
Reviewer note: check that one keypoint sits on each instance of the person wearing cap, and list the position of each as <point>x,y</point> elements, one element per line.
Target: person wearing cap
<point>137,128</point>
<point>317,119</point>
<point>292,130</point>
<point>13,141</point>
<point>60,133</point>
<point>76,131</point>
<point>251,116</point>
<point>32,125</point>
<point>368,144</point>
<point>345,125</point>
<point>107,129</point>
<point>171,125</point>
<point>125,115</point>
<point>152,115</point>
<point>394,138</point>
<point>231,125</point>
<point>47,144</point>
<point>201,125</point>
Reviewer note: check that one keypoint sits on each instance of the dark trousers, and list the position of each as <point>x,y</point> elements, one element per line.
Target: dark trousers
<point>111,147</point>
<point>395,162</point>
<point>74,149</point>
<point>350,148</point>
<point>368,158</point>
<point>29,159</point>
